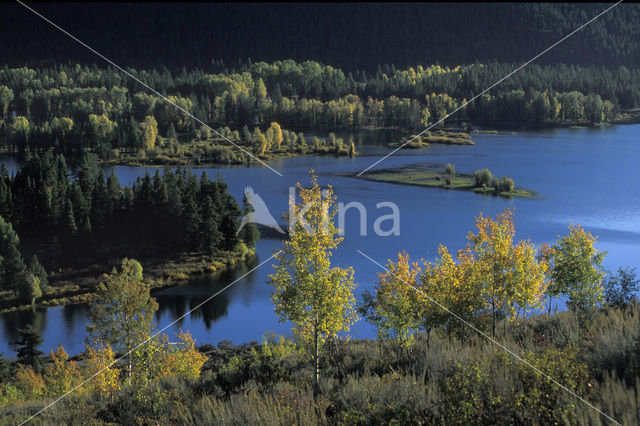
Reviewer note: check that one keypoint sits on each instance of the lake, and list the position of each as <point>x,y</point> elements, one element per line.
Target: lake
<point>584,175</point>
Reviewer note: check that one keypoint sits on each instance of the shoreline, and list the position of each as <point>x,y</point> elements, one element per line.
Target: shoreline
<point>159,274</point>
<point>469,128</point>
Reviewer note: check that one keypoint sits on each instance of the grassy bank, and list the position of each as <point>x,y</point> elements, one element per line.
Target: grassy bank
<point>78,285</point>
<point>438,178</point>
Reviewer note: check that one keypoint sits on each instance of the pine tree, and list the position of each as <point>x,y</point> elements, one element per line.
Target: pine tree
<point>70,227</point>
<point>12,266</point>
<point>250,233</point>
<point>210,235</point>
<point>29,339</point>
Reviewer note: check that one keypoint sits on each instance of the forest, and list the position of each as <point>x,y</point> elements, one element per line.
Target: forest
<point>74,109</point>
<point>351,36</point>
<point>63,218</point>
<point>435,359</point>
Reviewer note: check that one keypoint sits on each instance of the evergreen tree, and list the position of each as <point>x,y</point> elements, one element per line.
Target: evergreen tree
<point>249,233</point>
<point>12,266</point>
<point>210,235</point>
<point>29,339</point>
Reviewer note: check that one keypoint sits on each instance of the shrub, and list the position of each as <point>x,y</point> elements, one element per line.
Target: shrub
<point>506,184</point>
<point>483,177</point>
<point>619,289</point>
<point>30,383</point>
<point>495,183</point>
<point>450,169</point>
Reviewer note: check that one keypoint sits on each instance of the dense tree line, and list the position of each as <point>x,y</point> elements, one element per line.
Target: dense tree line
<point>84,214</point>
<point>350,36</point>
<point>75,108</point>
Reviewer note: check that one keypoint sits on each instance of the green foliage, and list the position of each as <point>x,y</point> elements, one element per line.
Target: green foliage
<point>6,96</point>
<point>11,264</point>
<point>506,184</point>
<point>398,307</point>
<point>483,177</point>
<point>63,216</point>
<point>93,110</point>
<point>451,381</point>
<point>38,272</point>
<point>29,288</point>
<point>577,269</point>
<point>620,289</point>
<point>5,368</point>
<point>450,169</point>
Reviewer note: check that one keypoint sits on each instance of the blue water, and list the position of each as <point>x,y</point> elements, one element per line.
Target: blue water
<point>586,176</point>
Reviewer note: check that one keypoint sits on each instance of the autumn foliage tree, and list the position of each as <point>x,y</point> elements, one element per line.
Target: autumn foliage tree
<point>308,291</point>
<point>100,363</point>
<point>510,276</point>
<point>493,276</point>
<point>274,136</point>
<point>577,269</point>
<point>123,312</point>
<point>149,131</point>
<point>451,282</point>
<point>184,360</point>
<point>61,375</point>
<point>399,306</point>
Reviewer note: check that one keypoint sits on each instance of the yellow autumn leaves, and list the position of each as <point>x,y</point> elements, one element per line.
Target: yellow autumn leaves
<point>492,277</point>
<point>308,291</point>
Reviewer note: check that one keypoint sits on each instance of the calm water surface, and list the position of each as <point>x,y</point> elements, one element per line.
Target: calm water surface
<point>586,176</point>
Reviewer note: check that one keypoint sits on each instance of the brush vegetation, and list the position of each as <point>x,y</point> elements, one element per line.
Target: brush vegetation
<point>438,379</point>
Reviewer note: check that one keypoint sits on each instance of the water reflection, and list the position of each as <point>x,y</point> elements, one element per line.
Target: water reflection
<point>178,301</point>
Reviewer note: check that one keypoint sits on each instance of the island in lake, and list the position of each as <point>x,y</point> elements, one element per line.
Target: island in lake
<point>481,181</point>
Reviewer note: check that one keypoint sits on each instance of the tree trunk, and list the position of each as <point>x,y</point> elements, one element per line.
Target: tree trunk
<point>129,360</point>
<point>316,371</point>
<point>493,320</point>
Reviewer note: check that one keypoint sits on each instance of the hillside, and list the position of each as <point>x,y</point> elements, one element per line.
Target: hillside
<point>350,36</point>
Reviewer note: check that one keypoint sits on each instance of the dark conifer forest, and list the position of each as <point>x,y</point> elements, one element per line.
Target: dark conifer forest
<point>346,35</point>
